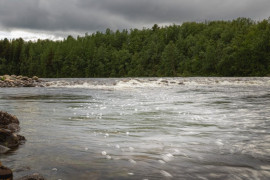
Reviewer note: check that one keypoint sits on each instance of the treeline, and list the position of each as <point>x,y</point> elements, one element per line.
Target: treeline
<point>218,48</point>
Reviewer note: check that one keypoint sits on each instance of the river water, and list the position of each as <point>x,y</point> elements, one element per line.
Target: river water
<point>142,128</point>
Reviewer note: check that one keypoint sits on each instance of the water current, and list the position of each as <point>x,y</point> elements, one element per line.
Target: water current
<point>142,128</point>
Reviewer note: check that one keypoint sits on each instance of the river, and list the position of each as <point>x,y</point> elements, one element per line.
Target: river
<point>142,128</point>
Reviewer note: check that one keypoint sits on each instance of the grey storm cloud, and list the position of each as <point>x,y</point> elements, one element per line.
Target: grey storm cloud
<point>93,15</point>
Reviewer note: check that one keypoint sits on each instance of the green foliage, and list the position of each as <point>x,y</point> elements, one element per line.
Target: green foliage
<point>217,48</point>
<point>169,60</point>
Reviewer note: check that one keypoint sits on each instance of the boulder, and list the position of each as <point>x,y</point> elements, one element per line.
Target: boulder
<point>25,78</point>
<point>9,126</point>
<point>164,81</point>
<point>5,173</point>
<point>13,127</point>
<point>20,81</point>
<point>6,119</point>
<point>19,77</point>
<point>181,83</point>
<point>35,78</point>
<point>34,176</point>
<point>6,76</point>
<point>9,139</point>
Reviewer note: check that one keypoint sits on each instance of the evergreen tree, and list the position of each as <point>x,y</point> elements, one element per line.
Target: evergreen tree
<point>216,48</point>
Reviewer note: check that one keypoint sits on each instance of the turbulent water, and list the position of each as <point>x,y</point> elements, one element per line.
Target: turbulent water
<point>142,128</point>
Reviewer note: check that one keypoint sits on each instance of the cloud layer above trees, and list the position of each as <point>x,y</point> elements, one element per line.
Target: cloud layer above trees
<point>61,17</point>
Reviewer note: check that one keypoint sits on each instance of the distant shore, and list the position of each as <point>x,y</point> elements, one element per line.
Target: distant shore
<point>19,81</point>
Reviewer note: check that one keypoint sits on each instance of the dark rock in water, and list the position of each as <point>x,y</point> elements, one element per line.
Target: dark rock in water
<point>9,125</point>
<point>13,127</point>
<point>164,81</point>
<point>21,138</point>
<point>181,83</point>
<point>5,173</point>
<point>6,119</point>
<point>9,139</point>
<point>34,176</point>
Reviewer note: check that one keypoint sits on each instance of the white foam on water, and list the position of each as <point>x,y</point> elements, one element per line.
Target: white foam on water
<point>130,83</point>
<point>132,161</point>
<point>167,157</point>
<point>219,142</point>
<point>120,84</point>
<point>265,167</point>
<point>84,85</point>
<point>214,81</point>
<point>133,83</point>
<point>161,161</point>
<point>166,174</point>
<point>201,177</point>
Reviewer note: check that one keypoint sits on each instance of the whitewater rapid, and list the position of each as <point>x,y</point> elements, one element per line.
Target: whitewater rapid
<point>124,83</point>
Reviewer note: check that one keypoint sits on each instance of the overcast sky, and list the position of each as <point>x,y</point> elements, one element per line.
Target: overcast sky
<point>56,19</point>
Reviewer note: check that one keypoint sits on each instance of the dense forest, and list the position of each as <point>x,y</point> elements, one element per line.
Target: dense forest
<point>216,48</point>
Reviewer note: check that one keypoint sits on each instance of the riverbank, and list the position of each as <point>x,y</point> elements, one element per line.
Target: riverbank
<point>19,81</point>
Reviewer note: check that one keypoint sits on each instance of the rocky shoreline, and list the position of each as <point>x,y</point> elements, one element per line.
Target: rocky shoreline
<point>9,140</point>
<point>20,81</point>
<point>9,128</point>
